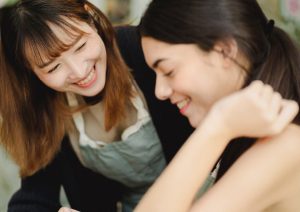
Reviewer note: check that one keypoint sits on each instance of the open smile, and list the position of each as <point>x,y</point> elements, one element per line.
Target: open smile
<point>183,105</point>
<point>89,80</point>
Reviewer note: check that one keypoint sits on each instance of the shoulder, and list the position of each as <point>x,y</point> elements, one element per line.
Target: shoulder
<point>266,174</point>
<point>283,155</point>
<point>291,132</point>
<point>287,142</point>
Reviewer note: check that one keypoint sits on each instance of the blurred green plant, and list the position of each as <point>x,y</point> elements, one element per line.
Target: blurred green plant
<point>286,14</point>
<point>7,2</point>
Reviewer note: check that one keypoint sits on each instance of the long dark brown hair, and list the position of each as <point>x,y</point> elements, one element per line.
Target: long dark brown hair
<point>34,118</point>
<point>273,56</point>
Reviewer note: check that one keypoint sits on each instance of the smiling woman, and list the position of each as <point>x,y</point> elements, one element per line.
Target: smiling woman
<point>81,68</point>
<point>175,71</point>
<point>230,71</point>
<point>63,75</point>
<point>35,35</point>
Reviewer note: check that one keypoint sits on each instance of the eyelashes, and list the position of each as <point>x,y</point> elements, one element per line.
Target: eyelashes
<point>80,47</point>
<point>53,69</point>
<point>169,73</point>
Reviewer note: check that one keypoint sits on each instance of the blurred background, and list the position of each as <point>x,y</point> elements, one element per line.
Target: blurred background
<point>286,14</point>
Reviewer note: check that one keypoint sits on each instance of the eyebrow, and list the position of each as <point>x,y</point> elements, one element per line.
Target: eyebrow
<point>157,62</point>
<point>43,65</point>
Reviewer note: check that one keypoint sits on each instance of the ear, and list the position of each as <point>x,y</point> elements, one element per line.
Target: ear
<point>229,49</point>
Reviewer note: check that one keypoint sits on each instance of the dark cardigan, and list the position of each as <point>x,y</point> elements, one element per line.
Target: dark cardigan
<point>86,190</point>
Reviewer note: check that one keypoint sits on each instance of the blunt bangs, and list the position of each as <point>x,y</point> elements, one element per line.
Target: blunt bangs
<point>42,46</point>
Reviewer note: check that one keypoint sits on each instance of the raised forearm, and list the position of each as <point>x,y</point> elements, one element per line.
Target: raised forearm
<point>186,173</point>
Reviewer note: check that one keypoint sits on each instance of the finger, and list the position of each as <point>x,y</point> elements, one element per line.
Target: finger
<point>275,104</point>
<point>256,86</point>
<point>252,91</point>
<point>267,93</point>
<point>288,112</point>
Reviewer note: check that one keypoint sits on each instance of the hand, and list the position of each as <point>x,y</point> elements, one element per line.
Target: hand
<point>65,209</point>
<point>255,111</point>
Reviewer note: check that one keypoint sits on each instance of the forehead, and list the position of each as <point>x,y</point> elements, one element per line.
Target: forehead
<point>67,36</point>
<point>155,50</point>
<point>149,43</point>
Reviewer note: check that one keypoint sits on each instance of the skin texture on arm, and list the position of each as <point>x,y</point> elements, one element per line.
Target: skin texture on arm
<point>192,164</point>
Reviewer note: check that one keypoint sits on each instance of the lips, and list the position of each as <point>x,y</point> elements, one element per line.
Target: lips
<point>183,105</point>
<point>86,82</point>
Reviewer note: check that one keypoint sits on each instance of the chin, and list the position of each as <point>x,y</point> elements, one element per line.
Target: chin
<point>94,90</point>
<point>195,121</point>
<point>91,94</point>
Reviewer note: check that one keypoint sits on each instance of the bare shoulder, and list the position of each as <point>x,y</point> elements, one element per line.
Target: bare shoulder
<point>291,135</point>
<point>286,147</point>
<point>287,142</point>
<point>274,162</point>
<point>291,131</point>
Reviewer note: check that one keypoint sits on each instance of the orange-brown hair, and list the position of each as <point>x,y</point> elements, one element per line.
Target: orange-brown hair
<point>34,118</point>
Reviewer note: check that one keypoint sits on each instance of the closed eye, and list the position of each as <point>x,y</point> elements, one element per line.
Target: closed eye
<point>80,47</point>
<point>53,69</point>
<point>169,73</point>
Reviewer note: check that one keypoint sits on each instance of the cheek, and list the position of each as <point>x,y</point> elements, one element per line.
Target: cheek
<point>54,82</point>
<point>202,92</point>
<point>96,51</point>
<point>97,54</point>
<point>103,57</point>
<point>97,47</point>
<point>208,86</point>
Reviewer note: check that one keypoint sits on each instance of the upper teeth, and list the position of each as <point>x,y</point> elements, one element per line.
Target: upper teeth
<point>87,79</point>
<point>181,104</point>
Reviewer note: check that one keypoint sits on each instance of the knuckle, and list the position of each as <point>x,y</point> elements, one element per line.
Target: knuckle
<point>258,83</point>
<point>268,88</point>
<point>295,104</point>
<point>277,95</point>
<point>255,85</point>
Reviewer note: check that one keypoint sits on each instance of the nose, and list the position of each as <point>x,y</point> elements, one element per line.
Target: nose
<point>77,69</point>
<point>162,89</point>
